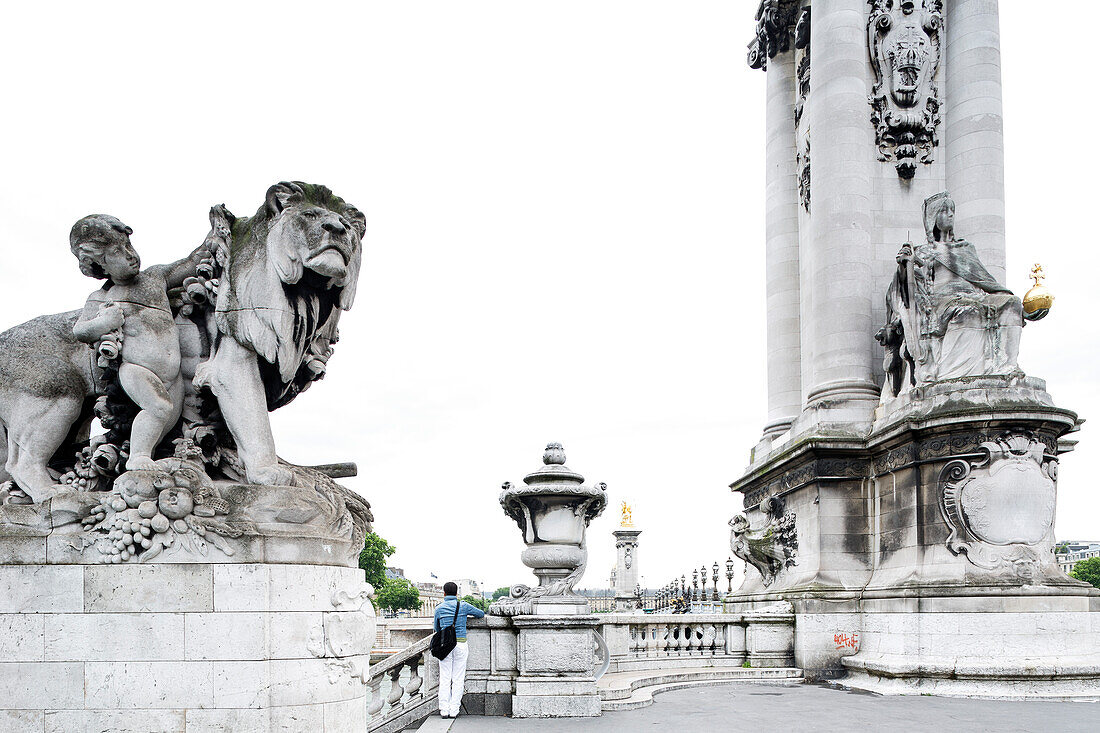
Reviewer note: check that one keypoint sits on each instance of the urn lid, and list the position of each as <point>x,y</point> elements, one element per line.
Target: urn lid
<point>554,478</point>
<point>553,470</point>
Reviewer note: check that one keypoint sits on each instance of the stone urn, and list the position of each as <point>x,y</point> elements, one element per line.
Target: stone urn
<point>553,509</point>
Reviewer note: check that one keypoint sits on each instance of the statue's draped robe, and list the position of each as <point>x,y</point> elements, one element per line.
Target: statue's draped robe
<point>977,321</point>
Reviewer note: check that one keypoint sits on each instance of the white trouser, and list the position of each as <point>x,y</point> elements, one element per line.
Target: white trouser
<point>452,678</point>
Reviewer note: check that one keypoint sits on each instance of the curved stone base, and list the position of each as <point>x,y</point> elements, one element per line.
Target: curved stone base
<point>1050,650</point>
<point>184,647</point>
<point>1072,678</point>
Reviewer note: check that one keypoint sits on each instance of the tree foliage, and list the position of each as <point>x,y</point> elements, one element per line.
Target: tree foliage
<point>372,560</point>
<point>398,594</point>
<point>1088,571</point>
<point>479,603</point>
<point>501,593</point>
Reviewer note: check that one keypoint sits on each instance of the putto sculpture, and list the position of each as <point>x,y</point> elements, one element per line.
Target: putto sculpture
<point>552,509</point>
<point>181,363</point>
<point>903,37</point>
<point>947,317</point>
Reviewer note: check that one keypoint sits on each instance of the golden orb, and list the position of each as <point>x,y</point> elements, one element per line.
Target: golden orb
<point>1039,298</point>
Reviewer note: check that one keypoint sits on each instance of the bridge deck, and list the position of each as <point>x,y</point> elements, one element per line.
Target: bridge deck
<point>807,708</point>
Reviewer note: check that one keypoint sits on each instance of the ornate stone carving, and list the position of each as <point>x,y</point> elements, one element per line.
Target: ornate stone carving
<point>803,159</point>
<point>802,70</point>
<point>946,316</point>
<point>181,364</point>
<point>774,21</point>
<point>1001,506</point>
<point>769,548</point>
<point>904,42</point>
<point>552,510</point>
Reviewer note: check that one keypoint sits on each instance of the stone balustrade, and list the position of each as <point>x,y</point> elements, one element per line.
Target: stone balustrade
<point>403,689</point>
<point>655,641</point>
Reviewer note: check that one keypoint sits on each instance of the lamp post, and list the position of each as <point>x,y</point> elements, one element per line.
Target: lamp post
<point>714,576</point>
<point>729,573</point>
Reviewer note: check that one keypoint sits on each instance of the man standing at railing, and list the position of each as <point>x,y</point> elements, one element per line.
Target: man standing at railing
<point>452,668</point>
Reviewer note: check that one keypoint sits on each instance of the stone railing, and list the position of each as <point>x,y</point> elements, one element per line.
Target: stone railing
<point>650,641</point>
<point>411,692</point>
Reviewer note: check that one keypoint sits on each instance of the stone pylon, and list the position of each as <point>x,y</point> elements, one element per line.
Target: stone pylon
<point>902,494</point>
<point>626,569</point>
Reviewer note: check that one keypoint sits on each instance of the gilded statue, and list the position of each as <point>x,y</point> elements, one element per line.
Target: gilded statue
<point>627,516</point>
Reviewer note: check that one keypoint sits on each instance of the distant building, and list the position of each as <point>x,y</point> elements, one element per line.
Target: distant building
<point>467,587</point>
<point>395,573</point>
<point>431,595</point>
<point>1074,551</point>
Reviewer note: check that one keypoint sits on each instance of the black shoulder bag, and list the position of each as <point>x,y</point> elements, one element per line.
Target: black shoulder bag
<point>445,640</point>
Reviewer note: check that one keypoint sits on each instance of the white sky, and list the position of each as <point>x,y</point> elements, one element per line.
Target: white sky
<point>565,233</point>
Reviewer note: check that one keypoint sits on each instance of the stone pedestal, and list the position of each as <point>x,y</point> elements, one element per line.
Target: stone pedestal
<point>556,667</point>
<point>183,647</point>
<point>924,554</point>
<point>626,568</point>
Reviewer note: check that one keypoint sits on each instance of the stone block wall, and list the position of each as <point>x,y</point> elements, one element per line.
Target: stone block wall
<point>189,648</point>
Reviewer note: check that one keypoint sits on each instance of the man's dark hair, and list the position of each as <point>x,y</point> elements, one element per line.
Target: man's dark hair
<point>450,589</point>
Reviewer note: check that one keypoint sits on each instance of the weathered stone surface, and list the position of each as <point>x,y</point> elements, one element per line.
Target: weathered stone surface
<point>21,721</point>
<point>304,587</point>
<point>115,721</point>
<point>131,588</point>
<point>113,636</point>
<point>555,650</point>
<point>41,589</point>
<point>41,685</point>
<point>21,637</point>
<point>145,685</point>
<point>137,659</point>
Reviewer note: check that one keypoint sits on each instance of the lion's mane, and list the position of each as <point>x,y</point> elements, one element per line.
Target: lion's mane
<point>270,303</point>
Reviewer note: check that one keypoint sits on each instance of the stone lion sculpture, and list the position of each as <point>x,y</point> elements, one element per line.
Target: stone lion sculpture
<point>255,332</point>
<point>289,270</point>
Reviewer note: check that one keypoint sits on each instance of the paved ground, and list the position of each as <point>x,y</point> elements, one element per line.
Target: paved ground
<point>810,708</point>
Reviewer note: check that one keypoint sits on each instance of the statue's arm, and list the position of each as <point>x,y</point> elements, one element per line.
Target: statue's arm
<point>99,317</point>
<point>176,272</point>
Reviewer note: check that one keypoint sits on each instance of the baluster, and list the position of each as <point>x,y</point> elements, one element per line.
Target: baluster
<point>681,640</point>
<point>643,641</point>
<point>376,699</point>
<point>396,691</point>
<point>431,672</point>
<point>635,643</point>
<point>708,640</point>
<point>651,633</point>
<point>415,680</point>
<point>692,645</point>
<point>662,639</point>
<point>720,639</point>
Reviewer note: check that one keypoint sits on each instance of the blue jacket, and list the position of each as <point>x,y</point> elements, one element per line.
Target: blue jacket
<point>446,611</point>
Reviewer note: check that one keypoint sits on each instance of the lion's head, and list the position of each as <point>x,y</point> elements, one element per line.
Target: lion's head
<point>288,271</point>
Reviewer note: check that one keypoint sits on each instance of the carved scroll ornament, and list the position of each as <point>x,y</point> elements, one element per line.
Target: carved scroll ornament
<point>1000,507</point>
<point>904,41</point>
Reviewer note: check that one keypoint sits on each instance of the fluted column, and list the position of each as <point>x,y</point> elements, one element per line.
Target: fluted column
<point>784,349</point>
<point>975,127</point>
<point>840,328</point>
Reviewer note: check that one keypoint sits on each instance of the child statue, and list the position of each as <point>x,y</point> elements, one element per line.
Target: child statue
<point>130,319</point>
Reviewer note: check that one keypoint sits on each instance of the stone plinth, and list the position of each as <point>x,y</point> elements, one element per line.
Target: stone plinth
<point>183,647</point>
<point>556,667</point>
<point>922,557</point>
